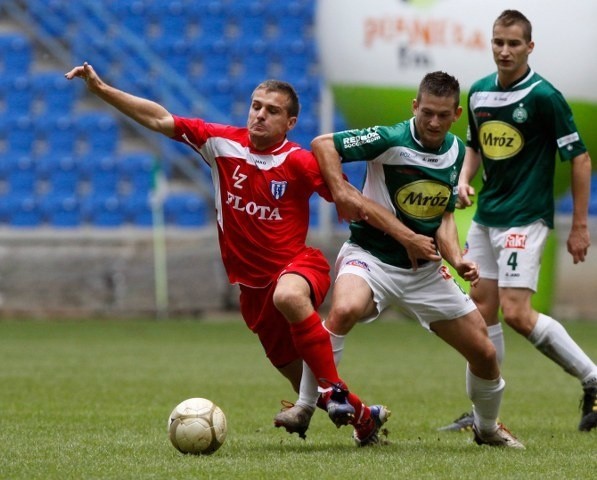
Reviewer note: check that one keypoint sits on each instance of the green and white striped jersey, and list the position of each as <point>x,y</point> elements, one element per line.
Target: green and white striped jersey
<point>518,131</point>
<point>415,183</point>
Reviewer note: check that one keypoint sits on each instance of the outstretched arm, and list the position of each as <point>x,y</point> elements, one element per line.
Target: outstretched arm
<point>146,112</point>
<point>579,238</point>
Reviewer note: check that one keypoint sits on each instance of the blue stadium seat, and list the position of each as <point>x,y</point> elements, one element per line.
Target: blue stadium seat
<point>254,58</point>
<point>21,134</point>
<point>15,54</point>
<point>219,93</point>
<point>54,92</point>
<point>21,177</point>
<point>215,56</point>
<point>174,52</point>
<point>251,19</point>
<point>295,57</point>
<point>16,95</point>
<point>103,210</point>
<point>99,130</point>
<point>355,171</point>
<point>213,18</point>
<point>61,210</point>
<point>61,172</point>
<point>132,14</point>
<point>185,210</point>
<point>52,18</point>
<point>171,19</point>
<point>137,209</point>
<point>136,168</point>
<point>102,172</point>
<point>24,211</point>
<point>59,133</point>
<point>295,16</point>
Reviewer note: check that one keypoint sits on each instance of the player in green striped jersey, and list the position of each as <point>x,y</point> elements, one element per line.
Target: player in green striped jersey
<point>412,169</point>
<point>518,122</point>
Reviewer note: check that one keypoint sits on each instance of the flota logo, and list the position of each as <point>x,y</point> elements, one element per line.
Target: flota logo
<point>423,199</point>
<point>500,140</point>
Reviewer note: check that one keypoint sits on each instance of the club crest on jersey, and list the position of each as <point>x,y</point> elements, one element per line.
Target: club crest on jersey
<point>520,115</point>
<point>278,189</point>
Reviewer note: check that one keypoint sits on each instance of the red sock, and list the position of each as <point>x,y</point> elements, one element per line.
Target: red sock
<point>312,342</point>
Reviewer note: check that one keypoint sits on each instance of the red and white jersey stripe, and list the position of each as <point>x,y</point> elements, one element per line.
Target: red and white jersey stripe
<point>262,198</point>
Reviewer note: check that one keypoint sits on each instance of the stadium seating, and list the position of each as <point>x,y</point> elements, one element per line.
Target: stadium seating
<point>15,53</point>
<point>21,177</point>
<point>61,210</point>
<point>68,158</point>
<point>58,133</point>
<point>99,131</point>
<point>17,95</point>
<point>137,210</point>
<point>103,210</point>
<point>23,211</point>
<point>53,93</point>
<point>102,173</point>
<point>60,172</point>
<point>185,210</point>
<point>136,169</point>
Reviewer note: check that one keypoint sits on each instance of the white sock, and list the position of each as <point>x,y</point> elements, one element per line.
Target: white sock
<point>308,393</point>
<point>552,339</point>
<point>496,335</point>
<point>309,389</point>
<point>337,345</point>
<point>486,396</point>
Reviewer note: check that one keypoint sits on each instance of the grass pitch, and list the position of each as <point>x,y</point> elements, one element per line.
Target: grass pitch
<point>91,399</point>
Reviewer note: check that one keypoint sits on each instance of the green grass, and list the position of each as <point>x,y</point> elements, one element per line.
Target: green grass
<point>90,399</point>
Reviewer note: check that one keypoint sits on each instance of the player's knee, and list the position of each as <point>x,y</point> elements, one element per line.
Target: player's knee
<point>287,298</point>
<point>342,318</point>
<point>519,319</point>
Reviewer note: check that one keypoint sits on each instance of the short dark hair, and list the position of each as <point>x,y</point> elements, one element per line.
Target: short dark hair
<point>512,17</point>
<point>283,87</point>
<point>440,84</point>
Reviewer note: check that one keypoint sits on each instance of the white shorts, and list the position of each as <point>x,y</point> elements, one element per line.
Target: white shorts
<point>512,256</point>
<point>428,294</point>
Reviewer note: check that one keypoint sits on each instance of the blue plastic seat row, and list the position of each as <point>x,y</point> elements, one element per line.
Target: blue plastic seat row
<point>186,210</point>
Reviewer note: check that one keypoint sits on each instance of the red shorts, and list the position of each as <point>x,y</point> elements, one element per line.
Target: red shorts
<point>264,319</point>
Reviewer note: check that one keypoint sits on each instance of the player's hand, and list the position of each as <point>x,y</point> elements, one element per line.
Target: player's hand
<point>421,247</point>
<point>350,205</point>
<point>465,192</point>
<point>468,271</point>
<point>87,73</point>
<point>578,243</point>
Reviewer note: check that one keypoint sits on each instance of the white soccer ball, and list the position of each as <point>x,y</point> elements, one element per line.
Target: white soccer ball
<point>197,426</point>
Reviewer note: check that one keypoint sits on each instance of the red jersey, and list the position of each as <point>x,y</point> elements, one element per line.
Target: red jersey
<point>262,198</point>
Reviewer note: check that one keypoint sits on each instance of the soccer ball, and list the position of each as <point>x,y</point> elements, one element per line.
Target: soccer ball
<point>197,426</point>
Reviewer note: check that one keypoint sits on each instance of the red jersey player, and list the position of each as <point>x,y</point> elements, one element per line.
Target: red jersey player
<point>263,183</point>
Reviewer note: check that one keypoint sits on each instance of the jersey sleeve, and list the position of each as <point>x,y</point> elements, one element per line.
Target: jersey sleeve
<point>569,143</point>
<point>190,130</point>
<point>312,174</point>
<point>472,137</point>
<point>362,144</point>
